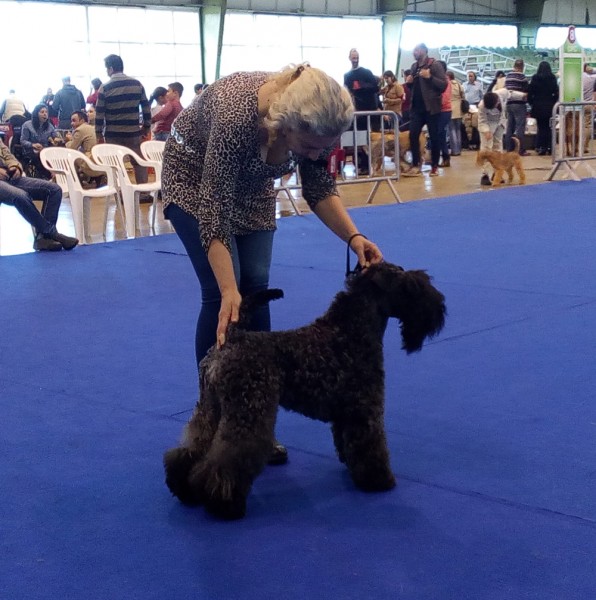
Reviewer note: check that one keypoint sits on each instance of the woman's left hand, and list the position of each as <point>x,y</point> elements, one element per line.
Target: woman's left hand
<point>368,252</point>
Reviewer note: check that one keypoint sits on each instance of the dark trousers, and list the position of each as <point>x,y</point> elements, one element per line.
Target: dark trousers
<point>516,125</point>
<point>417,122</point>
<point>251,255</point>
<point>544,134</point>
<point>21,192</point>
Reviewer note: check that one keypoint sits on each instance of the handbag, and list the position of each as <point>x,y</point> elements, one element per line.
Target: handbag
<point>465,106</point>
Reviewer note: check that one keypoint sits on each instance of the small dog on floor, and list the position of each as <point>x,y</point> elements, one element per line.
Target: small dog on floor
<point>574,120</point>
<point>331,370</point>
<point>376,143</point>
<point>503,162</point>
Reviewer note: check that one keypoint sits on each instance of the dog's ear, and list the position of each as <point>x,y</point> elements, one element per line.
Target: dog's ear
<point>410,297</point>
<point>421,310</point>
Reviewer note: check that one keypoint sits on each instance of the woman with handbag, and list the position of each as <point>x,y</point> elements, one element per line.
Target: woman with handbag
<point>457,96</point>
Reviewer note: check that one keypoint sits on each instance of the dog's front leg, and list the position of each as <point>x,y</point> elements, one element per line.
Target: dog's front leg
<point>366,454</point>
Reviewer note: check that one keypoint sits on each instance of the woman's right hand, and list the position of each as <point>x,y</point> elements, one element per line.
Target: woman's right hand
<point>228,313</point>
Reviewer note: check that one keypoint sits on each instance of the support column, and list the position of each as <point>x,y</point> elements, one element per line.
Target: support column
<point>393,13</point>
<point>212,17</point>
<point>529,13</point>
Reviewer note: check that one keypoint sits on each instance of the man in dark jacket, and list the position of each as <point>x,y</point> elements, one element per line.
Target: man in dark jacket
<point>66,101</point>
<point>364,88</point>
<point>19,192</point>
<point>426,83</point>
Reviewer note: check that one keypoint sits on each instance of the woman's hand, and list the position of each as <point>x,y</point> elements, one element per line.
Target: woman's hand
<point>37,147</point>
<point>367,252</point>
<point>228,313</point>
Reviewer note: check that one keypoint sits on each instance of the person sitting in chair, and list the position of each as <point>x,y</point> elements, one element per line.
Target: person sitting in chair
<point>38,133</point>
<point>19,191</point>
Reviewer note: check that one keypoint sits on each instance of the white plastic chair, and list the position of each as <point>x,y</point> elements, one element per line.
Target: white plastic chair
<point>153,150</point>
<point>61,162</point>
<point>113,155</point>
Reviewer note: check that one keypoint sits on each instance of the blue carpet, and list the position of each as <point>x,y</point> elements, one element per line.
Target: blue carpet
<point>492,427</point>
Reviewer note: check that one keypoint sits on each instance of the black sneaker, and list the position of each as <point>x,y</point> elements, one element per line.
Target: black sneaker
<point>485,180</point>
<point>45,244</point>
<point>68,243</point>
<point>279,454</point>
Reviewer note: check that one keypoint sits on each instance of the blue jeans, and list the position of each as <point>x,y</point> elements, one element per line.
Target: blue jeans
<point>455,136</point>
<point>516,125</point>
<point>21,192</point>
<point>444,120</point>
<point>251,256</point>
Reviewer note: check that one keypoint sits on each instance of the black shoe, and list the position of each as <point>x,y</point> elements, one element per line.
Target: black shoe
<point>146,199</point>
<point>279,454</point>
<point>43,243</point>
<point>485,180</point>
<point>68,243</point>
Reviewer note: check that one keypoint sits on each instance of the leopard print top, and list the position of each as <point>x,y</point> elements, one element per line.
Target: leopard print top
<point>212,166</point>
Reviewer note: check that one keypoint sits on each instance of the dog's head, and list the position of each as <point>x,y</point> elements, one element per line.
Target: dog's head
<point>408,296</point>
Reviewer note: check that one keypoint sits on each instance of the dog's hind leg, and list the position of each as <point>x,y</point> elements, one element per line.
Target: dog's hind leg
<point>521,173</point>
<point>240,450</point>
<point>198,435</point>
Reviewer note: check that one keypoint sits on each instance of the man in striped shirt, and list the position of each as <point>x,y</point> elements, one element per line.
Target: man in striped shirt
<point>123,115</point>
<point>517,84</point>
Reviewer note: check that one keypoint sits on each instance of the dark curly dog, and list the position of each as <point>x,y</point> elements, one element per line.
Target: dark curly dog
<point>331,370</point>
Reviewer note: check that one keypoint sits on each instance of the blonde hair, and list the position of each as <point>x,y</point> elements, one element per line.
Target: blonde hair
<point>309,101</point>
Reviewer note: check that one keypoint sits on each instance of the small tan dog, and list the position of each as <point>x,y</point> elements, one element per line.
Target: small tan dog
<point>572,130</point>
<point>376,143</point>
<point>503,162</point>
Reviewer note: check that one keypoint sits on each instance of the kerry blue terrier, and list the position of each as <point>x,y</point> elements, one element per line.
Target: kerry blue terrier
<point>330,370</point>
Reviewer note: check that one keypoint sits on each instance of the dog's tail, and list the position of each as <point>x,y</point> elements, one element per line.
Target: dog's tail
<point>516,142</point>
<point>252,301</point>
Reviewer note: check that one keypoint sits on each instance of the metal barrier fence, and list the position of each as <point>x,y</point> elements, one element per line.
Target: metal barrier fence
<point>572,126</point>
<point>371,138</point>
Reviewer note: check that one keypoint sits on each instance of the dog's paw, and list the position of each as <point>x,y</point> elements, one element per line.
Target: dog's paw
<point>178,463</point>
<point>227,510</point>
<point>373,479</point>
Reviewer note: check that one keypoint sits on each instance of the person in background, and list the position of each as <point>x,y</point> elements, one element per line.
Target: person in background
<point>364,88</point>
<point>473,89</point>
<point>92,97</point>
<point>199,88</point>
<point>445,120</point>
<point>517,85</point>
<point>457,95</point>
<point>19,191</point>
<point>83,138</point>
<point>159,97</point>
<point>406,103</point>
<point>588,83</point>
<point>12,107</point>
<point>492,121</point>
<point>36,134</point>
<point>91,116</point>
<point>543,94</point>
<point>393,94</point>
<point>117,113</point>
<point>427,82</point>
<point>498,82</point>
<point>219,167</point>
<point>48,99</point>
<point>165,117</point>
<point>67,100</point>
